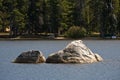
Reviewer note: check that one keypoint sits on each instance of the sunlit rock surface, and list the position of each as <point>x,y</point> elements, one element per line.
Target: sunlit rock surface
<point>74,52</point>
<point>30,57</point>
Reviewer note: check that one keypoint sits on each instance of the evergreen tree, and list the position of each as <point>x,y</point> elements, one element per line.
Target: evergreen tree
<point>1,15</point>
<point>54,15</point>
<point>67,19</point>
<point>5,11</point>
<point>96,8</point>
<point>34,14</point>
<point>78,13</point>
<point>45,11</point>
<point>116,5</point>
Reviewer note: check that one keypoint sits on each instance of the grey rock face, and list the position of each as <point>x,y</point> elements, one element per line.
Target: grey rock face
<point>30,57</point>
<point>74,52</point>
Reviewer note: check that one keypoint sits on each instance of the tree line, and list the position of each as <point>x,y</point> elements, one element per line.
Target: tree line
<point>56,16</point>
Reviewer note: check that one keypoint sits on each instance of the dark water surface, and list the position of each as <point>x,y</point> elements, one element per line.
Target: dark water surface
<point>109,69</point>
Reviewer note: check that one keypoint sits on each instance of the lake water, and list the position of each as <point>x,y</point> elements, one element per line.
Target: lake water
<point>109,69</point>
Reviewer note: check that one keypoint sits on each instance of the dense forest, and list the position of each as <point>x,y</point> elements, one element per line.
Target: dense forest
<point>58,16</point>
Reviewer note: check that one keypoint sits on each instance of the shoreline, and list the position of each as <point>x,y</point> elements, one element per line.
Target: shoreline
<point>56,38</point>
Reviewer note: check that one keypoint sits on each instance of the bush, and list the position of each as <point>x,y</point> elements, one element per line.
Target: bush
<point>76,32</point>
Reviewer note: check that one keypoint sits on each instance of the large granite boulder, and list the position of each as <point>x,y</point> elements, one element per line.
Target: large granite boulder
<point>30,57</point>
<point>74,52</point>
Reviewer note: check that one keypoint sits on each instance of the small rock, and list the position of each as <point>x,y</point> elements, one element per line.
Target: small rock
<point>75,52</point>
<point>30,57</point>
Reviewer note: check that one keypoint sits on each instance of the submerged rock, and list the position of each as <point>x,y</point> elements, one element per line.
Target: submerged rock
<point>30,57</point>
<point>74,52</point>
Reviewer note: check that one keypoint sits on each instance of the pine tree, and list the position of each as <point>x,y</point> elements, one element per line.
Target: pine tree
<point>78,13</point>
<point>96,8</point>
<point>67,19</point>
<point>34,14</point>
<point>54,15</point>
<point>5,10</point>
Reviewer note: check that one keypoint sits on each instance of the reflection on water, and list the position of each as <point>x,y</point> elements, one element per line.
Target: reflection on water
<point>109,69</point>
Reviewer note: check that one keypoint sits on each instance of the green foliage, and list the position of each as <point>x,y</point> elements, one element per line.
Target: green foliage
<point>76,32</point>
<point>36,16</point>
<point>18,19</point>
<point>67,7</point>
<point>54,15</point>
